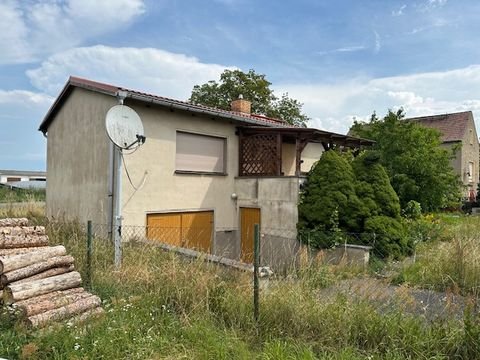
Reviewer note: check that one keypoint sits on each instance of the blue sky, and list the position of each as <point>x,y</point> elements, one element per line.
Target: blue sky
<point>342,59</point>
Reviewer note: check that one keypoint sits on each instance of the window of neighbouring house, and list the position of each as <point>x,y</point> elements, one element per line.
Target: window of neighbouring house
<point>200,153</point>
<point>470,171</point>
<point>13,179</point>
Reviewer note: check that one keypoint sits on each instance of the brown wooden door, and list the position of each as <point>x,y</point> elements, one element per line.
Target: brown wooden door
<point>248,218</point>
<point>192,230</point>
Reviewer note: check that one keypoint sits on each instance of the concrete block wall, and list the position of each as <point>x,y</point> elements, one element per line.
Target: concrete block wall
<point>277,198</point>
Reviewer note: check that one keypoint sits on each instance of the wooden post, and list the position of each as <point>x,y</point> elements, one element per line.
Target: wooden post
<point>240,153</point>
<point>279,155</point>
<point>298,157</point>
<point>300,144</point>
<point>256,263</point>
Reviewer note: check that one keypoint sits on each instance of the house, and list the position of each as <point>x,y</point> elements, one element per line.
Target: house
<point>203,178</point>
<point>458,131</point>
<point>11,176</point>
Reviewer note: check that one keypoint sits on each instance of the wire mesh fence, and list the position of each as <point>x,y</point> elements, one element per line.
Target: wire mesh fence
<point>424,278</point>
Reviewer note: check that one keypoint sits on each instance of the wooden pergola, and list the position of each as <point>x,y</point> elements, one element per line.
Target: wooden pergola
<point>260,148</point>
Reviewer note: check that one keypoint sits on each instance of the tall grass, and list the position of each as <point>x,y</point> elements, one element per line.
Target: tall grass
<point>30,209</point>
<point>8,195</point>
<point>452,265</point>
<point>162,306</point>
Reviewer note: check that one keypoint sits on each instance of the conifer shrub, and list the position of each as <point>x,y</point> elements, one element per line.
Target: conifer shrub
<point>330,187</point>
<point>389,237</point>
<point>353,196</point>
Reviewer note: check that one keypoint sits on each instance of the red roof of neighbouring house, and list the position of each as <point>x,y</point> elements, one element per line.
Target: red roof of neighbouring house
<point>249,119</point>
<point>452,126</point>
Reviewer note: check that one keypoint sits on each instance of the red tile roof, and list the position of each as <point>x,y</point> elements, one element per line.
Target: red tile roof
<point>253,119</point>
<point>452,126</point>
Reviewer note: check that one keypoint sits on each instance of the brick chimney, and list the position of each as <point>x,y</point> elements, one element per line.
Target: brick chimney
<point>241,105</point>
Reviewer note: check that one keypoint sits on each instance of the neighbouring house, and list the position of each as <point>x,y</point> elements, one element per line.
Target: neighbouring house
<point>203,178</point>
<point>459,132</point>
<point>8,176</point>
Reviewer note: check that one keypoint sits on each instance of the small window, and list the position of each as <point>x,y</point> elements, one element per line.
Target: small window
<point>471,137</point>
<point>13,179</point>
<point>200,153</point>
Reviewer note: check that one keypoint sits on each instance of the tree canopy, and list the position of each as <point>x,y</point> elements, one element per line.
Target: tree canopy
<point>253,87</point>
<point>418,167</point>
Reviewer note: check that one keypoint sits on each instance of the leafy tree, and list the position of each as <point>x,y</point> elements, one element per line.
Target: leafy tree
<point>254,87</point>
<point>418,167</point>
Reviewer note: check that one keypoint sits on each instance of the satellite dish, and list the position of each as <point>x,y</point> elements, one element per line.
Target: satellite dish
<point>124,127</point>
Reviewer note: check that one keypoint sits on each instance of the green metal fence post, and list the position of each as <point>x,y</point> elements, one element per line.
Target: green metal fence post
<point>256,263</point>
<point>88,279</point>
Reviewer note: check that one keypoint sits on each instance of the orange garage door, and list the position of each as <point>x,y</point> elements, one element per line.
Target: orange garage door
<point>192,230</point>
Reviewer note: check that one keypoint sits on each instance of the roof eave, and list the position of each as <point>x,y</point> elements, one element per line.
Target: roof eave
<point>319,134</point>
<point>62,97</point>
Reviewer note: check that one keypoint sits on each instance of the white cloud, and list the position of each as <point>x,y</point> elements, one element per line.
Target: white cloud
<point>333,106</point>
<point>25,98</point>
<point>21,145</point>
<point>430,5</point>
<point>12,32</point>
<point>147,69</point>
<point>399,11</point>
<point>152,70</point>
<point>34,28</point>
<point>436,23</point>
<point>345,49</point>
<point>378,42</point>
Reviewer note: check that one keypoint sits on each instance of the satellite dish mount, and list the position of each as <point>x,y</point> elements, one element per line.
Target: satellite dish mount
<point>125,130</point>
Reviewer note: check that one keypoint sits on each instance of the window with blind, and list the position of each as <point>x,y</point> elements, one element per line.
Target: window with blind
<point>200,153</point>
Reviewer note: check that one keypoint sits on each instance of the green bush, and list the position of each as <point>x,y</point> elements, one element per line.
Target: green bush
<point>373,188</point>
<point>343,195</point>
<point>390,237</point>
<point>413,210</point>
<point>330,187</point>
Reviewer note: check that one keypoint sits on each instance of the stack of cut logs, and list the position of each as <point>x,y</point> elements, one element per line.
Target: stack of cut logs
<point>39,280</point>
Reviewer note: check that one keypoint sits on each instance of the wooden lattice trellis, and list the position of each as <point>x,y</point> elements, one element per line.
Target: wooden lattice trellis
<point>259,155</point>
